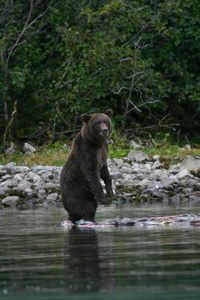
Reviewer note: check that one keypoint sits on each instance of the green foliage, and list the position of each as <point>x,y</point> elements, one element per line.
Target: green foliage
<point>60,59</point>
<point>120,146</point>
<point>51,155</point>
<point>175,54</point>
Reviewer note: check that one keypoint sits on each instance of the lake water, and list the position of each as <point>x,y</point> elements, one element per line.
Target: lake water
<point>41,261</point>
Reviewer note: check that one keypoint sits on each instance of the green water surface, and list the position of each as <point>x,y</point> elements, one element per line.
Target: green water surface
<point>41,261</point>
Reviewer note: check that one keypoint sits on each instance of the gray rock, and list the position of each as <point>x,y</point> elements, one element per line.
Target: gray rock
<point>187,146</point>
<point>138,170</point>
<point>23,185</point>
<point>10,150</point>
<point>29,192</point>
<point>52,197</point>
<point>3,192</point>
<point>118,161</point>
<point>115,175</point>
<point>191,163</point>
<point>145,183</point>
<point>36,178</point>
<point>188,191</point>
<point>10,200</point>
<point>47,177</point>
<point>28,148</point>
<point>135,145</point>
<point>174,169</point>
<point>129,177</point>
<point>21,169</point>
<point>157,165</point>
<point>126,182</point>
<point>156,157</point>
<point>18,177</point>
<point>10,183</point>
<point>10,167</point>
<point>8,176</point>
<point>167,181</point>
<point>175,199</point>
<point>157,174</point>
<point>157,194</point>
<point>138,156</point>
<point>139,176</point>
<point>182,174</point>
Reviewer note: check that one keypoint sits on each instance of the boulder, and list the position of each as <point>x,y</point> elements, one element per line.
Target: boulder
<point>10,150</point>
<point>52,197</point>
<point>167,181</point>
<point>134,144</point>
<point>28,148</point>
<point>138,156</point>
<point>10,201</point>
<point>191,163</point>
<point>182,174</point>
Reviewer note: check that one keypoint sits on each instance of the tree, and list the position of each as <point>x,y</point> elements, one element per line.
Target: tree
<point>18,22</point>
<point>103,61</point>
<point>175,54</point>
<point>60,59</point>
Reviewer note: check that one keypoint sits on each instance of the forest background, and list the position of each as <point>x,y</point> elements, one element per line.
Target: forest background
<point>59,59</point>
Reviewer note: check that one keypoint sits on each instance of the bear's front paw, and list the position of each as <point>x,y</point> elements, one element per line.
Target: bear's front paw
<point>103,200</point>
<point>110,192</point>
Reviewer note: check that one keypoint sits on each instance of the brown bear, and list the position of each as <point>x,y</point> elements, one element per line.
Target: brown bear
<point>86,164</point>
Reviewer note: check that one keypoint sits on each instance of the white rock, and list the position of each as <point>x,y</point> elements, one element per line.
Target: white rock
<point>157,165</point>
<point>23,185</point>
<point>36,178</point>
<point>52,197</point>
<point>10,150</point>
<point>11,200</point>
<point>10,165</point>
<point>21,169</point>
<point>118,161</point>
<point>182,174</point>
<point>28,148</point>
<point>167,181</point>
<point>156,157</point>
<point>191,163</point>
<point>138,156</point>
<point>134,144</point>
<point>18,177</point>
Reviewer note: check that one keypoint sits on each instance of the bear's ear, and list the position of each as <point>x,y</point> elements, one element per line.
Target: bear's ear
<point>109,113</point>
<point>85,118</point>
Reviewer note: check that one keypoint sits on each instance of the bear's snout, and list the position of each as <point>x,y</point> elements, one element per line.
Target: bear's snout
<point>103,129</point>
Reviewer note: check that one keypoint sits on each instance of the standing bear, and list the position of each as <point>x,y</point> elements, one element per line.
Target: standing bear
<point>86,164</point>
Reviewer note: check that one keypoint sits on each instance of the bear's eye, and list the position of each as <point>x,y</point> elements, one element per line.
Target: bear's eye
<point>107,124</point>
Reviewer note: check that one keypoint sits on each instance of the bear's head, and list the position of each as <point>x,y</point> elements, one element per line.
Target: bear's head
<point>97,127</point>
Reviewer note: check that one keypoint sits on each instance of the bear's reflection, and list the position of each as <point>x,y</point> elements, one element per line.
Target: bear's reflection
<point>81,260</point>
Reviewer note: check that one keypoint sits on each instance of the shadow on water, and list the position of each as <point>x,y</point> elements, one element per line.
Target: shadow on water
<point>81,261</point>
<point>41,261</point>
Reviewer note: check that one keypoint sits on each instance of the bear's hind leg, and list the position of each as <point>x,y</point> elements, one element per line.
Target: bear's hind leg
<point>89,216</point>
<point>74,217</point>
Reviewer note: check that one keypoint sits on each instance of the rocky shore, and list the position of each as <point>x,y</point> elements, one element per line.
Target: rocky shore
<point>135,178</point>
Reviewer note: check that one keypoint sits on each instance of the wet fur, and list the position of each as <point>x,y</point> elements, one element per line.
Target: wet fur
<point>80,178</point>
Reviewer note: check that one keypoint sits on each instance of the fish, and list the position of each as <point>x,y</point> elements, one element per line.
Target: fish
<point>174,220</point>
<point>124,221</point>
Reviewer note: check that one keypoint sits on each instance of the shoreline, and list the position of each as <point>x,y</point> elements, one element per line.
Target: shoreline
<point>136,177</point>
